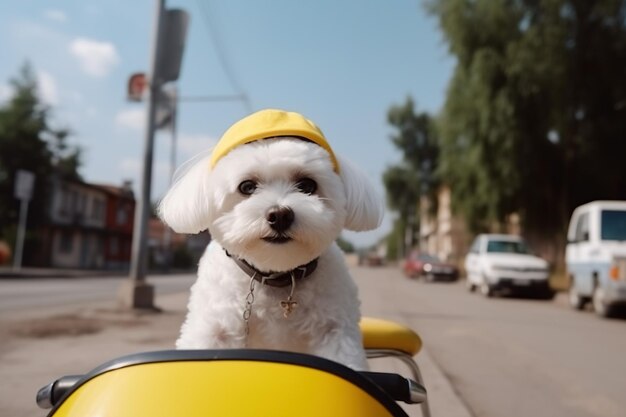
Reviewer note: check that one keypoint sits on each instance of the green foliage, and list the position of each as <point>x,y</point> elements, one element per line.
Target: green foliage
<point>345,245</point>
<point>27,141</point>
<point>395,239</point>
<point>415,136</point>
<point>402,185</point>
<point>534,116</point>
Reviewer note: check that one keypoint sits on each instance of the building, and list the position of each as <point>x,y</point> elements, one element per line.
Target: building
<point>168,249</point>
<point>89,226</point>
<point>441,232</point>
<point>119,224</point>
<point>76,225</point>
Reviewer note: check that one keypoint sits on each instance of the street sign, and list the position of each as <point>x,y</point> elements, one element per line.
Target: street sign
<point>24,182</point>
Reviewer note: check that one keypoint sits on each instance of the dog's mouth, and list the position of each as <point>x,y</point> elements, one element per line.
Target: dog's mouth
<point>278,239</point>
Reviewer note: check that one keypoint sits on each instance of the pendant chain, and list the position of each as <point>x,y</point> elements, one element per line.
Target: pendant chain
<point>247,312</point>
<point>287,305</point>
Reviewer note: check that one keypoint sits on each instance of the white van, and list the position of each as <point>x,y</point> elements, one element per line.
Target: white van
<point>596,256</point>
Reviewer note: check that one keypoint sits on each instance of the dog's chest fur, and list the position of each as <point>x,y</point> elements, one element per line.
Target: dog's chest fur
<point>325,298</point>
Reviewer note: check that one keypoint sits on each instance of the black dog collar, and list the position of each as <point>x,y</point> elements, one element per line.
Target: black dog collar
<point>275,279</point>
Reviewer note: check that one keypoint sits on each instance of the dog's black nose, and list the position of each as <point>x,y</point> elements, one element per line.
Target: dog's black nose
<point>280,218</point>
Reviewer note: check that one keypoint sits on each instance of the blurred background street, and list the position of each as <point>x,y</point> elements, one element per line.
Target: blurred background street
<point>495,131</point>
<point>481,357</point>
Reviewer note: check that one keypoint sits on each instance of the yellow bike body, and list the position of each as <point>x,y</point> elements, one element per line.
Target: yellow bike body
<point>204,383</point>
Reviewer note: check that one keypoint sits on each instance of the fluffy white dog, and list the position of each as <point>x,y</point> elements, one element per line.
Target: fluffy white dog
<point>274,198</point>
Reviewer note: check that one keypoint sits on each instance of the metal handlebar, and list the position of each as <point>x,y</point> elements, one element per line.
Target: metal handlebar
<point>49,396</point>
<point>397,387</point>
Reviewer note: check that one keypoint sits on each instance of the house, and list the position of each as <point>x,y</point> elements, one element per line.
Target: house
<point>89,226</point>
<point>169,249</point>
<point>441,232</point>
<point>75,233</point>
<point>445,235</point>
<point>119,224</point>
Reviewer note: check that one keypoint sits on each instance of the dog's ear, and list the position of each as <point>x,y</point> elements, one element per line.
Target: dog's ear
<point>186,206</point>
<point>364,206</point>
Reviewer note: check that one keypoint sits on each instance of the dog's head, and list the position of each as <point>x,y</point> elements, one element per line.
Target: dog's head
<point>276,201</point>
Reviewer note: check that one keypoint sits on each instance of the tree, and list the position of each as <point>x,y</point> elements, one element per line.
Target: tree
<point>415,136</point>
<point>402,186</point>
<point>345,245</point>
<point>534,116</point>
<point>27,141</point>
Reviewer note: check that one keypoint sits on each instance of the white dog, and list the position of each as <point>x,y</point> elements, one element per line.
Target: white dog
<point>274,198</point>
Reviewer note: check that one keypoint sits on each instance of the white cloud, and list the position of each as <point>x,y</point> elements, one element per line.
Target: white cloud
<point>133,119</point>
<point>55,15</point>
<point>96,58</point>
<point>6,91</point>
<point>48,88</point>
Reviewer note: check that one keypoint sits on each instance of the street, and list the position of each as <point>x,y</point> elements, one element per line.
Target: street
<point>19,296</point>
<point>503,356</point>
<point>509,356</point>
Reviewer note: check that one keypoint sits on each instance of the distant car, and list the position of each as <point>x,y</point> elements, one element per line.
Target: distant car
<point>418,265</point>
<point>504,263</point>
<point>371,259</point>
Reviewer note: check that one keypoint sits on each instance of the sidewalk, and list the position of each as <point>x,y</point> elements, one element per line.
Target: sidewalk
<point>29,272</point>
<point>36,351</point>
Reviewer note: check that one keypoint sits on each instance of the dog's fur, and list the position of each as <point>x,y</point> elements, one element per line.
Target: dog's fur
<point>325,323</point>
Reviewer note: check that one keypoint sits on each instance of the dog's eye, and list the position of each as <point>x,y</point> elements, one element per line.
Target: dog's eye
<point>247,187</point>
<point>307,185</point>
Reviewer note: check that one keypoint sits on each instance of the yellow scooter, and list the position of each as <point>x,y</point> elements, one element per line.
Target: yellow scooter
<point>242,382</point>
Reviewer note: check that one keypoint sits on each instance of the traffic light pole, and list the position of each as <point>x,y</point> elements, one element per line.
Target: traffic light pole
<point>136,292</point>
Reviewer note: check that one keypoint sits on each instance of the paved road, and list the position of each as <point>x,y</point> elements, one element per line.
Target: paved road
<point>507,356</point>
<point>20,295</point>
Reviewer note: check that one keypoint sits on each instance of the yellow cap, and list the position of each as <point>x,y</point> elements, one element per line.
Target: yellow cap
<point>267,124</point>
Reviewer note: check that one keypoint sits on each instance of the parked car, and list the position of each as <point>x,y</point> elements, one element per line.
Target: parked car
<point>418,265</point>
<point>371,259</point>
<point>596,256</point>
<point>498,263</point>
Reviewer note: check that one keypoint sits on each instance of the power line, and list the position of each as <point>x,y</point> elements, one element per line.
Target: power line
<point>221,53</point>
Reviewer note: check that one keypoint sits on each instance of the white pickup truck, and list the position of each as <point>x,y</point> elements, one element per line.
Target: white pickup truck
<point>596,256</point>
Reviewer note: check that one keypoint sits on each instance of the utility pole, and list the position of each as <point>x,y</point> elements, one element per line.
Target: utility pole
<point>136,292</point>
<point>168,41</point>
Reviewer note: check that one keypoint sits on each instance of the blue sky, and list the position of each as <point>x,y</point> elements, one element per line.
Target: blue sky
<point>341,63</point>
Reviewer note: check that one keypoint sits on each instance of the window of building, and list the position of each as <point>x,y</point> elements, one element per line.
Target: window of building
<point>66,242</point>
<point>114,246</point>
<point>122,214</point>
<point>97,209</point>
<point>64,196</point>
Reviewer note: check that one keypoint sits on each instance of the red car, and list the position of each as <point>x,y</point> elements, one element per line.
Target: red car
<point>418,265</point>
